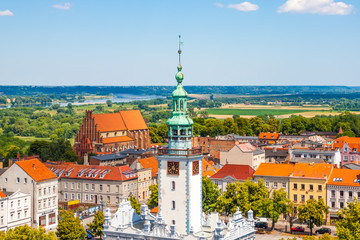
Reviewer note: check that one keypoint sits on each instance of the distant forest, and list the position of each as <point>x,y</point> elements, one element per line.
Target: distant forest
<point>166,90</point>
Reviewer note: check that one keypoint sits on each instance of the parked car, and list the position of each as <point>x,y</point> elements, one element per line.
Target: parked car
<point>323,230</point>
<point>263,225</point>
<point>89,235</point>
<point>298,229</point>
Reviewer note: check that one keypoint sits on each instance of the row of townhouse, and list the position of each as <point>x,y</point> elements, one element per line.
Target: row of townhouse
<point>39,185</point>
<point>304,181</point>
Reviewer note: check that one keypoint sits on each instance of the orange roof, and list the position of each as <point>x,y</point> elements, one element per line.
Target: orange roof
<point>353,142</point>
<point>150,162</point>
<point>36,170</point>
<point>2,195</point>
<point>155,210</point>
<point>246,147</point>
<point>269,136</point>
<point>315,170</point>
<point>345,177</point>
<point>108,122</point>
<point>117,139</point>
<point>133,120</point>
<point>92,172</point>
<point>274,169</point>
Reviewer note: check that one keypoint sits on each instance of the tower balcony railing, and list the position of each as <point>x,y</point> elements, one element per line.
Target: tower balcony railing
<point>179,152</point>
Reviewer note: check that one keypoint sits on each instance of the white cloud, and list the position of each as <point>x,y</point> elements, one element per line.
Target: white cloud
<point>244,6</point>
<point>220,5</point>
<point>6,13</point>
<point>65,6</point>
<point>324,7</point>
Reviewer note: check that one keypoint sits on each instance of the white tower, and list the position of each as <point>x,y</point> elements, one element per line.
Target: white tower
<point>180,168</point>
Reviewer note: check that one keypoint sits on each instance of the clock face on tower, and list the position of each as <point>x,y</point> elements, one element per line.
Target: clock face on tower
<point>195,168</point>
<point>173,168</point>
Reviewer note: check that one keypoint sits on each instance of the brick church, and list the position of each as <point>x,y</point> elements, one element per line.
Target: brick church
<point>111,132</point>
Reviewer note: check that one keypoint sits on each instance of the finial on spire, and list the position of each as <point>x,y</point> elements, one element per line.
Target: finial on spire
<point>179,76</point>
<point>179,51</point>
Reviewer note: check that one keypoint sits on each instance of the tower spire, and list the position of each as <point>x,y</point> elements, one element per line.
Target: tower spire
<point>179,75</point>
<point>179,51</point>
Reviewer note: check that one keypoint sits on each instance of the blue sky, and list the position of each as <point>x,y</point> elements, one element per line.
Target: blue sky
<point>134,42</point>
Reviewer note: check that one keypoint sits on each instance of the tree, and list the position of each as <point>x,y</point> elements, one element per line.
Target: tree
<point>276,205</point>
<point>247,195</point>
<point>37,147</point>
<point>348,225</point>
<point>109,103</point>
<point>291,214</point>
<point>27,233</point>
<point>97,225</point>
<point>312,213</point>
<point>210,194</point>
<point>135,204</point>
<point>69,227</point>
<point>204,114</point>
<point>154,198</point>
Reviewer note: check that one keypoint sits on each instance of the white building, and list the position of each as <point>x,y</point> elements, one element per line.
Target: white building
<point>15,210</point>
<point>343,187</point>
<point>34,178</point>
<point>333,157</point>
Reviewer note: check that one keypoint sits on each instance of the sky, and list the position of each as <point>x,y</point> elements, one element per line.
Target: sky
<point>135,42</point>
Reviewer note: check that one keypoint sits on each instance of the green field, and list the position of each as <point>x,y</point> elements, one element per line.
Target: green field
<point>31,139</point>
<point>256,112</point>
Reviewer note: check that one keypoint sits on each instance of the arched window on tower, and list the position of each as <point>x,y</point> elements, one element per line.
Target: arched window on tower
<point>173,204</point>
<point>182,132</point>
<point>175,132</point>
<point>173,185</point>
<point>181,105</point>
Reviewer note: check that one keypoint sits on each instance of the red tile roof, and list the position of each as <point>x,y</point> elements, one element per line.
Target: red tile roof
<point>2,195</point>
<point>246,147</point>
<point>36,170</point>
<point>238,172</point>
<point>133,120</point>
<point>152,163</point>
<point>273,136</point>
<point>312,170</point>
<point>117,139</point>
<point>353,142</point>
<point>274,169</point>
<point>344,177</point>
<point>108,122</point>
<point>94,172</point>
<point>208,169</point>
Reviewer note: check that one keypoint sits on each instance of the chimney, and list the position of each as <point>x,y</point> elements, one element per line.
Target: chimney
<point>34,166</point>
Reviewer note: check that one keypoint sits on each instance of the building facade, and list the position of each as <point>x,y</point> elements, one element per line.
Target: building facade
<point>95,184</point>
<point>243,154</point>
<point>34,178</point>
<point>349,148</point>
<point>111,132</point>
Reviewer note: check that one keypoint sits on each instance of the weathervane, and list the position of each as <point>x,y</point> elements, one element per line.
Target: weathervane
<point>179,51</point>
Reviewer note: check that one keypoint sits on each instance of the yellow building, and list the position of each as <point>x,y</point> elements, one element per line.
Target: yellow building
<point>308,181</point>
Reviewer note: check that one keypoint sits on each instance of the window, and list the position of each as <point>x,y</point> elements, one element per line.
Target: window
<point>173,185</point>
<point>311,197</point>
<point>42,221</point>
<point>17,180</point>
<point>44,204</point>
<point>350,194</point>
<point>92,186</point>
<point>25,180</point>
<point>341,204</point>
<point>108,188</point>
<point>79,196</point>
<point>53,189</point>
<point>2,205</point>
<point>49,202</point>
<point>302,198</point>
<point>332,193</point>
<point>12,204</point>
<point>295,198</point>
<point>1,220</point>
<point>52,219</point>
<point>78,186</point>
<point>117,188</point>
<point>18,203</point>
<point>358,195</point>
<point>267,184</point>
<point>86,197</point>
<point>86,187</point>
<point>283,185</point>
<point>332,204</point>
<point>319,187</point>
<point>352,158</point>
<point>302,186</point>
<point>66,185</point>
<point>6,179</point>
<point>73,196</point>
<point>18,215</point>
<point>319,197</point>
<point>295,186</point>
<point>275,184</point>
<point>44,191</point>
<point>92,197</point>
<point>346,158</point>
<point>65,196</point>
<point>311,187</point>
<point>101,187</point>
<point>173,204</point>
<point>341,194</point>
<point>53,201</point>
<point>173,222</point>
<point>72,185</point>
